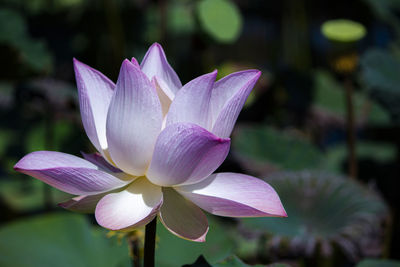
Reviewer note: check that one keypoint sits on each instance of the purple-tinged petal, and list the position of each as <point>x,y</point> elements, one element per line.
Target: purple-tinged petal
<point>135,62</point>
<point>84,204</point>
<point>155,64</point>
<point>68,173</point>
<point>134,120</point>
<point>228,97</point>
<point>234,195</point>
<point>135,206</point>
<point>186,153</point>
<point>182,218</point>
<point>100,162</point>
<point>95,91</point>
<point>192,102</point>
<point>164,94</point>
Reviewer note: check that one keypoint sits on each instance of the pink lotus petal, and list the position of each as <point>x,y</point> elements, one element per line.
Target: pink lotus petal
<point>228,97</point>
<point>100,162</point>
<point>135,206</point>
<point>134,120</point>
<point>182,218</point>
<point>95,91</point>
<point>83,204</point>
<point>186,153</point>
<point>234,195</point>
<point>68,173</point>
<point>192,102</point>
<point>135,62</point>
<point>155,64</point>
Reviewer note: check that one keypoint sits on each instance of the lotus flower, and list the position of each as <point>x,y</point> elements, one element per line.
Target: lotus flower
<point>159,143</point>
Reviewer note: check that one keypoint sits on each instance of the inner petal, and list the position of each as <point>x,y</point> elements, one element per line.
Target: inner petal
<point>164,94</point>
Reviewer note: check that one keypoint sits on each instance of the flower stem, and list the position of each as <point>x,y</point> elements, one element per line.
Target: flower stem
<point>150,243</point>
<point>351,132</point>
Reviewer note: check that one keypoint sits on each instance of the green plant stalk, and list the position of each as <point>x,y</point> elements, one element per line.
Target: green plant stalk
<point>150,243</point>
<point>350,125</point>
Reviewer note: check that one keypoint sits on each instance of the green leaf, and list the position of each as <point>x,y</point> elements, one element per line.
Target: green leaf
<point>37,137</point>
<point>6,138</point>
<point>321,208</point>
<point>26,194</point>
<point>180,18</point>
<point>173,251</point>
<point>330,96</point>
<point>379,70</point>
<point>234,261</point>
<point>59,240</point>
<point>378,263</point>
<point>13,32</point>
<point>337,154</point>
<point>221,19</point>
<point>280,149</point>
<point>343,30</point>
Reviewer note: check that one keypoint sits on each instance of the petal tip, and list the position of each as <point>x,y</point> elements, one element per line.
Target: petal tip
<point>126,62</point>
<point>223,140</point>
<point>19,166</point>
<point>64,205</point>
<point>135,62</point>
<point>202,238</point>
<point>283,213</point>
<point>75,61</point>
<point>130,64</point>
<point>156,45</point>
<point>78,65</point>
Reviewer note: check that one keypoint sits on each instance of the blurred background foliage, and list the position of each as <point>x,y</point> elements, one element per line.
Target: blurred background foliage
<point>292,131</point>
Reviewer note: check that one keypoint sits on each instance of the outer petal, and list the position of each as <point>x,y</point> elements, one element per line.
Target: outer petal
<point>192,102</point>
<point>84,204</point>
<point>182,217</point>
<point>135,206</point>
<point>155,63</point>
<point>234,195</point>
<point>228,97</point>
<point>134,120</point>
<point>186,153</point>
<point>95,92</point>
<point>68,173</point>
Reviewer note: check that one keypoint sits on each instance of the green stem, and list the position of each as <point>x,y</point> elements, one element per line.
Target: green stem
<point>351,132</point>
<point>150,243</point>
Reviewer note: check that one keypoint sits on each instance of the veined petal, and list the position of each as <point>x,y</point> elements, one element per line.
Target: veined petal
<point>134,120</point>
<point>182,218</point>
<point>192,102</point>
<point>186,153</point>
<point>135,62</point>
<point>135,206</point>
<point>228,97</point>
<point>164,94</point>
<point>68,173</point>
<point>100,162</point>
<point>155,63</point>
<point>83,204</point>
<point>234,195</point>
<point>95,91</point>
